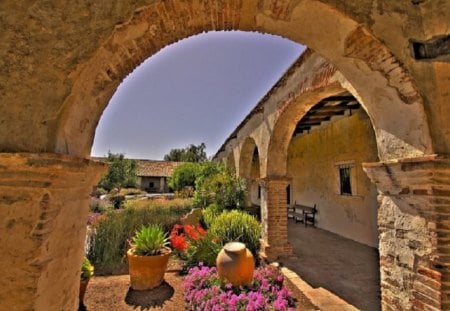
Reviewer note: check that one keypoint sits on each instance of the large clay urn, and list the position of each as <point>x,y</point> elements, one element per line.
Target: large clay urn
<point>235,264</point>
<point>147,272</point>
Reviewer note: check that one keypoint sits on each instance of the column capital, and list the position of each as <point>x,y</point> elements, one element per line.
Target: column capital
<point>41,170</point>
<point>284,180</point>
<point>416,176</point>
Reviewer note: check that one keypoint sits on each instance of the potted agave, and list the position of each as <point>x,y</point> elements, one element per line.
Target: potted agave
<point>148,258</point>
<point>87,270</point>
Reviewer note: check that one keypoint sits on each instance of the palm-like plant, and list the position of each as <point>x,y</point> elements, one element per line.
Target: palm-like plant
<point>149,241</point>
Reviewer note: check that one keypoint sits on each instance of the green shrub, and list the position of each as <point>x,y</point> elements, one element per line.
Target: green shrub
<point>121,172</point>
<point>184,176</point>
<point>108,238</point>
<point>117,200</point>
<point>186,192</point>
<point>223,188</point>
<point>237,226</point>
<point>150,240</point>
<point>210,214</point>
<point>87,269</point>
<point>204,250</point>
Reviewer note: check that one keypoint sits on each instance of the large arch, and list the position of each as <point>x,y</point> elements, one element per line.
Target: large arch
<point>69,89</point>
<point>374,72</point>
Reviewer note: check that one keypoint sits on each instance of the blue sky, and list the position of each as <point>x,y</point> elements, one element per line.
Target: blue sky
<point>196,90</point>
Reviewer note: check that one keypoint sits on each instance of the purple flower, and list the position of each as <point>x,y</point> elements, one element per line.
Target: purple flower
<point>203,290</point>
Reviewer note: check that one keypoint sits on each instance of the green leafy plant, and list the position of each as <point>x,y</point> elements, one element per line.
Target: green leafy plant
<point>191,153</point>
<point>149,241</point>
<point>121,172</point>
<point>184,175</point>
<point>210,214</point>
<point>87,269</point>
<point>223,188</point>
<point>203,250</point>
<point>237,226</point>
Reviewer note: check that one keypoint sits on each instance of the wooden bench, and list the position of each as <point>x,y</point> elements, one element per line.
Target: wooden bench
<point>303,213</point>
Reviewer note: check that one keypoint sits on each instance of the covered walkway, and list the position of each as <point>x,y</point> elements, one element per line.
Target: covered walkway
<point>342,266</point>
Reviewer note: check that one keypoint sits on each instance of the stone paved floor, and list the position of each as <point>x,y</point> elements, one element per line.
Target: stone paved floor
<point>342,266</point>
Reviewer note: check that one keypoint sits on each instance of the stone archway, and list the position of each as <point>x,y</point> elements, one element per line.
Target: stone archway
<point>63,119</point>
<point>361,58</point>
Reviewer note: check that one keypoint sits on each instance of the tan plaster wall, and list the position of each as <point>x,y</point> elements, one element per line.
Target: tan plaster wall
<point>312,160</point>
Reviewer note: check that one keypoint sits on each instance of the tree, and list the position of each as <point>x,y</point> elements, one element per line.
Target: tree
<point>216,184</point>
<point>191,153</point>
<point>121,172</point>
<point>184,176</point>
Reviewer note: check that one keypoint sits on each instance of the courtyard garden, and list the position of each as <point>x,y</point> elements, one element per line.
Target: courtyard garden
<point>197,231</point>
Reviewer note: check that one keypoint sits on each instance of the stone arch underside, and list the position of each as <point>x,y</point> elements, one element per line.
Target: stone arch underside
<point>247,150</point>
<point>230,162</point>
<point>373,71</point>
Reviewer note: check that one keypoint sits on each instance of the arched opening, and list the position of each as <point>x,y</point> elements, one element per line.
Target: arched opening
<point>329,144</point>
<point>249,168</point>
<point>376,76</point>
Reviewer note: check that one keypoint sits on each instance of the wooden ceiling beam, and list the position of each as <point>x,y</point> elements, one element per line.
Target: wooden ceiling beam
<point>338,98</point>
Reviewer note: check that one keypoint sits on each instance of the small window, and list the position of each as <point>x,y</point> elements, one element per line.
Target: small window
<point>345,180</point>
<point>151,184</point>
<point>259,192</point>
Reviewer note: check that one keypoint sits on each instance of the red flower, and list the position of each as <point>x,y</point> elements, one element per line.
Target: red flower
<point>178,242</point>
<point>200,230</point>
<point>191,232</point>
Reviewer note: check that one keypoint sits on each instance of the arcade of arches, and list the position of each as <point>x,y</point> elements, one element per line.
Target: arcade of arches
<point>62,61</point>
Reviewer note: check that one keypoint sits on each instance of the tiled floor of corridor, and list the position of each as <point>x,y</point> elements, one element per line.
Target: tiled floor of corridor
<point>347,268</point>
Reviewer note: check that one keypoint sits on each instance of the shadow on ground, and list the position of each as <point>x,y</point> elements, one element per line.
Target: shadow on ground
<point>347,268</point>
<point>149,298</point>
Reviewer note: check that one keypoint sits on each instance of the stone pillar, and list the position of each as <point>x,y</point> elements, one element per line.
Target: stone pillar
<point>162,184</point>
<point>248,197</point>
<point>414,232</point>
<point>274,242</point>
<point>44,202</point>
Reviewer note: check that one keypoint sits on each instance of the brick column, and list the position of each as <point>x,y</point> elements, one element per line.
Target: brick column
<point>414,232</point>
<point>274,242</point>
<point>43,211</point>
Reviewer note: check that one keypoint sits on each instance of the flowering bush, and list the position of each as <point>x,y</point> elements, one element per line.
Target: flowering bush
<point>180,235</point>
<point>194,244</point>
<point>203,290</point>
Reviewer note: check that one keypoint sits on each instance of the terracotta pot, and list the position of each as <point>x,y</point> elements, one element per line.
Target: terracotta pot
<point>83,287</point>
<point>147,272</point>
<point>235,264</point>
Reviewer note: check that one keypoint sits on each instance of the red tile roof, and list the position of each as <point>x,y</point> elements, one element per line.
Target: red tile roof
<point>148,168</point>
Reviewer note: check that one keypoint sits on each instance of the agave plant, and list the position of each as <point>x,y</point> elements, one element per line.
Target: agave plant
<point>149,241</point>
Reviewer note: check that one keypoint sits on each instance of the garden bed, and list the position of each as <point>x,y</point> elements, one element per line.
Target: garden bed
<point>114,293</point>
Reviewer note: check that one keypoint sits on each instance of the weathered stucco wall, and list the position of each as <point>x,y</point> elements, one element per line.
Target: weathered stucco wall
<point>312,165</point>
